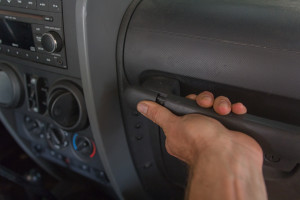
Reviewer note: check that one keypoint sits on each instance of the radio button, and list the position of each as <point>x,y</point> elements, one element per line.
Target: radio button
<point>17,52</point>
<point>27,55</point>
<point>38,38</point>
<point>7,50</point>
<point>9,2</point>
<point>37,28</point>
<point>55,6</point>
<point>32,49</point>
<point>36,57</point>
<point>40,49</point>
<point>48,19</point>
<point>49,60</point>
<point>20,3</point>
<point>43,5</point>
<point>30,4</point>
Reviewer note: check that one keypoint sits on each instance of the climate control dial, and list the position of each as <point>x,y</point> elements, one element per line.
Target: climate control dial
<point>57,138</point>
<point>84,146</point>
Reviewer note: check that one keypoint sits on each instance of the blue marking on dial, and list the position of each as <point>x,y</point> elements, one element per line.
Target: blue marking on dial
<point>74,141</point>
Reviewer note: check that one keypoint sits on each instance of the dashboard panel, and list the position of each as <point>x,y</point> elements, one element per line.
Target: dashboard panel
<point>41,87</point>
<point>65,66</point>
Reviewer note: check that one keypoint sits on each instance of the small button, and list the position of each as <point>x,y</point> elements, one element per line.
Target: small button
<point>17,52</point>
<point>37,58</point>
<point>38,38</point>
<point>27,55</point>
<point>85,168</point>
<point>42,5</point>
<point>48,19</point>
<point>38,148</point>
<point>55,6</point>
<point>48,60</point>
<point>40,49</point>
<point>101,175</point>
<point>9,2</point>
<point>30,4</point>
<point>52,153</point>
<point>32,49</point>
<point>7,50</point>
<point>60,157</point>
<point>20,3</point>
<point>37,28</point>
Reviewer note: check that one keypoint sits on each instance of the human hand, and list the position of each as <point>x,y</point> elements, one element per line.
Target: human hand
<point>189,136</point>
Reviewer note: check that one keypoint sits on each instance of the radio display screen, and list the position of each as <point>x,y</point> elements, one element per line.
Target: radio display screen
<point>16,34</point>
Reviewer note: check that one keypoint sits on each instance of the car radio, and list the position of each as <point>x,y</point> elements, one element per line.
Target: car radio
<point>33,30</point>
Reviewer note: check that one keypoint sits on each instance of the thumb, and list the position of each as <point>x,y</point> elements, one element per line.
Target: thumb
<point>157,113</point>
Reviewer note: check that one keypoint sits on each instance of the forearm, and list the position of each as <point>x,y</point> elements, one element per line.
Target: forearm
<point>232,175</point>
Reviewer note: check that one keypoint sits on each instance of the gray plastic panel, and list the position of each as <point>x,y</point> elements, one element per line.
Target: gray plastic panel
<point>252,44</point>
<point>98,24</point>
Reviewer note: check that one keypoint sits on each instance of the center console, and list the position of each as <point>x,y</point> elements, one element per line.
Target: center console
<point>41,87</point>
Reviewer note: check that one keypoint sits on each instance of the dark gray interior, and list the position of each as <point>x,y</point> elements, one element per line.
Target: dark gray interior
<point>67,86</point>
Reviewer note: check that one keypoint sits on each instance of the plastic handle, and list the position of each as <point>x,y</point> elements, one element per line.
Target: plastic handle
<point>276,138</point>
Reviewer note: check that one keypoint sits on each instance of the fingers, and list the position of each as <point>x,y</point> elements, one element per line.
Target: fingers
<point>205,99</point>
<point>239,109</point>
<point>191,96</point>
<point>158,114</point>
<point>222,105</point>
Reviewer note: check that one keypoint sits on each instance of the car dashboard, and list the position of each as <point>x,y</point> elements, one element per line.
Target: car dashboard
<point>65,66</point>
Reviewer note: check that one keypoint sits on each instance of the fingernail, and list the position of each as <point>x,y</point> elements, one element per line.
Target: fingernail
<point>224,104</point>
<point>206,98</point>
<point>142,108</point>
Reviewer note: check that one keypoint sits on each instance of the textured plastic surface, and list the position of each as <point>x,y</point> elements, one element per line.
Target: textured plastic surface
<point>252,44</point>
<point>98,23</point>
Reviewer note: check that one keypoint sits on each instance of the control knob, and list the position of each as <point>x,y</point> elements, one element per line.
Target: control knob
<point>84,146</point>
<point>57,138</point>
<point>52,42</point>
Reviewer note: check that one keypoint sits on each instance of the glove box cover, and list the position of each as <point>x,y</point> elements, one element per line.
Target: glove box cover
<point>250,44</point>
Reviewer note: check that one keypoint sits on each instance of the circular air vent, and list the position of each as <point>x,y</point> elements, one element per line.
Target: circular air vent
<point>66,106</point>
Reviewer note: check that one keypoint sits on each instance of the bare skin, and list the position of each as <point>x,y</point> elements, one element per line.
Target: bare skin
<point>224,164</point>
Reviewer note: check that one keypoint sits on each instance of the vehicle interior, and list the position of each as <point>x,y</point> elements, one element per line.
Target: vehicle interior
<point>72,72</point>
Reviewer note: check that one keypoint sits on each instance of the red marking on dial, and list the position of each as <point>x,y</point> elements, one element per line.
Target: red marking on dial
<point>94,150</point>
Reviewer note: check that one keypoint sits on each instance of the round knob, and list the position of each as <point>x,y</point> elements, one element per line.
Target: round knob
<point>84,146</point>
<point>57,138</point>
<point>66,106</point>
<point>11,88</point>
<point>51,42</point>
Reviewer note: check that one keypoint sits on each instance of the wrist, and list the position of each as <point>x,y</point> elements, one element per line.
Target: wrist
<point>231,150</point>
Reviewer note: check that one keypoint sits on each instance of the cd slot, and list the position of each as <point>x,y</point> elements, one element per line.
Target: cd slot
<point>46,18</point>
<point>12,15</point>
